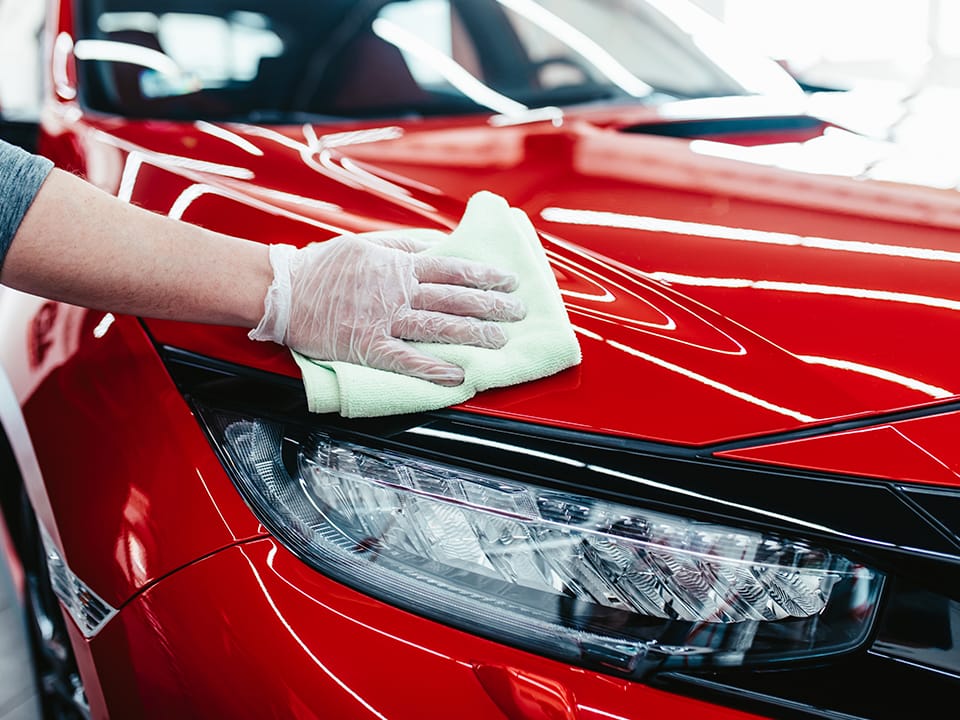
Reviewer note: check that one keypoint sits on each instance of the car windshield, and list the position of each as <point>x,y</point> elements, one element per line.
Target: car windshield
<point>265,60</point>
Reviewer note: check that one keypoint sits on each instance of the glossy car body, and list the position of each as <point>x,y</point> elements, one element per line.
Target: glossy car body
<point>762,348</point>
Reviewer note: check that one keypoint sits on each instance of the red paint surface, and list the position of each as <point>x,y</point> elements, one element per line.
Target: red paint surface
<point>922,450</point>
<point>883,452</point>
<point>937,435</point>
<point>132,490</point>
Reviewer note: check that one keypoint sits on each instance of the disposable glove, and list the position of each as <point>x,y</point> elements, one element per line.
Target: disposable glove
<point>359,300</point>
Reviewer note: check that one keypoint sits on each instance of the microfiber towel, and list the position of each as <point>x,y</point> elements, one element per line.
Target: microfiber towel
<point>541,344</point>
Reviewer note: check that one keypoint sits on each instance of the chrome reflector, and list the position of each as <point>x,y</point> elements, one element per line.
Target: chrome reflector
<point>87,609</point>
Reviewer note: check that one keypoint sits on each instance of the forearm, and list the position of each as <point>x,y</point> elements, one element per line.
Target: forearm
<point>83,246</point>
<point>351,299</point>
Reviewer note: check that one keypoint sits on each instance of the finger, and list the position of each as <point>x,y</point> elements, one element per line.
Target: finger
<point>456,300</point>
<point>397,356</point>
<point>399,242</point>
<point>422,326</point>
<point>457,271</point>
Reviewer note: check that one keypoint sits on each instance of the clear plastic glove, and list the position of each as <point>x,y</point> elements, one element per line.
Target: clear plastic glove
<point>358,300</point>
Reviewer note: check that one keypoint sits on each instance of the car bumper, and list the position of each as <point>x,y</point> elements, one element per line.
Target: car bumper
<point>253,632</point>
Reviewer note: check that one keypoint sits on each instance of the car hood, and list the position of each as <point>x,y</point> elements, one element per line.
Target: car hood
<point>713,299</point>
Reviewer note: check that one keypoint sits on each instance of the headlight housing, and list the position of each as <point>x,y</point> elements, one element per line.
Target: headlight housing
<point>580,579</point>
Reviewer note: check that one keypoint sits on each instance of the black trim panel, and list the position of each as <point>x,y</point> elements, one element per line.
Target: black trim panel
<point>714,127</point>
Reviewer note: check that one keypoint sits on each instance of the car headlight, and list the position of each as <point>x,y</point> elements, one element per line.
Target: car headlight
<point>595,583</point>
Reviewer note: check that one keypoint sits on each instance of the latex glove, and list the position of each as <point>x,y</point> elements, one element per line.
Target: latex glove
<point>358,300</point>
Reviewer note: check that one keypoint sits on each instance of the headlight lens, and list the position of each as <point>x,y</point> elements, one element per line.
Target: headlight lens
<point>587,581</point>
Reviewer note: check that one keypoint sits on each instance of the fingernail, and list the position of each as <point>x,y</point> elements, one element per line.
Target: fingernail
<point>493,336</point>
<point>509,283</point>
<point>513,310</point>
<point>448,375</point>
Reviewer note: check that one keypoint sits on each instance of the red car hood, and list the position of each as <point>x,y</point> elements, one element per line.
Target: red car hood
<point>713,299</point>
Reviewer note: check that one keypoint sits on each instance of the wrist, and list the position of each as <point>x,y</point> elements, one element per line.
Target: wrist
<point>272,325</point>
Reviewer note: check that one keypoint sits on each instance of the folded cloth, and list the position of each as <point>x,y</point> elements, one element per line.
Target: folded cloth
<point>541,344</point>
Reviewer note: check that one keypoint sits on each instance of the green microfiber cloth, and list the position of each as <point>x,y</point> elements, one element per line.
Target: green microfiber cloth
<point>541,344</point>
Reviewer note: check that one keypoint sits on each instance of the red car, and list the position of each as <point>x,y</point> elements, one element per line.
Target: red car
<point>745,501</point>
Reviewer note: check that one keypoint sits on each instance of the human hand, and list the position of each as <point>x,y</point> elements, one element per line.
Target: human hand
<point>359,299</point>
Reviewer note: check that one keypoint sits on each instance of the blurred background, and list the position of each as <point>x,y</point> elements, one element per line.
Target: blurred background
<point>897,44</point>
<point>899,59</point>
<point>20,22</point>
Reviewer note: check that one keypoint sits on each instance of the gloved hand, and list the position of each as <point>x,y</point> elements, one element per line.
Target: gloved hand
<point>358,299</point>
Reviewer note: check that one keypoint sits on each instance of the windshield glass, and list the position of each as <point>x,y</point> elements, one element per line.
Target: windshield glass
<point>281,59</point>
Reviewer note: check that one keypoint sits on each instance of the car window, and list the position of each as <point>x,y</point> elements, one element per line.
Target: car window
<point>266,60</point>
<point>627,44</point>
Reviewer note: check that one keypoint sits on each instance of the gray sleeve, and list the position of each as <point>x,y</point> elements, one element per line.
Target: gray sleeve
<point>21,175</point>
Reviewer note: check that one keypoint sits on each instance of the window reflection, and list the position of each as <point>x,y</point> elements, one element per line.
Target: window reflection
<point>216,50</point>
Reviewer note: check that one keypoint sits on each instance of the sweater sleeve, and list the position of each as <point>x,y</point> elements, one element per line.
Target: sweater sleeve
<point>21,175</point>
